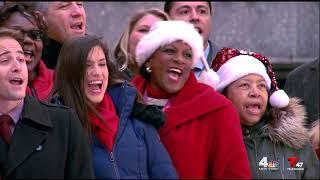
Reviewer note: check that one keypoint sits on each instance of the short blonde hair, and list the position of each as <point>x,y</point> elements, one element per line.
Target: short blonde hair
<point>121,55</point>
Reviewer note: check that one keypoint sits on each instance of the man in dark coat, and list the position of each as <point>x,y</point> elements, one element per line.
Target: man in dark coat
<point>38,140</point>
<point>303,82</point>
<point>64,19</point>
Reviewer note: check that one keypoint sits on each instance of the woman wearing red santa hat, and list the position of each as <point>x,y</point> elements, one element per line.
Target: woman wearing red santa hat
<point>276,141</point>
<point>197,118</point>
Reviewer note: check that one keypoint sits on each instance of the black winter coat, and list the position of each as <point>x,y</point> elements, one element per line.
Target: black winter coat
<point>48,142</point>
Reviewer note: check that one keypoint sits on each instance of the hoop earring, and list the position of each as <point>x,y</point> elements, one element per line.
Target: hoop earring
<point>148,69</point>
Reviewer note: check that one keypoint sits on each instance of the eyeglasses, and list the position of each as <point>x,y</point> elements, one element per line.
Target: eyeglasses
<point>33,34</point>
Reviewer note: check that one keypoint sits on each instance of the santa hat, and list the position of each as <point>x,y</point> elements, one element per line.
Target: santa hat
<point>166,32</point>
<point>231,64</point>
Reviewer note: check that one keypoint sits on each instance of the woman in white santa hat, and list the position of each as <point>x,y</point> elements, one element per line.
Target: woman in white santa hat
<point>202,129</point>
<point>273,129</point>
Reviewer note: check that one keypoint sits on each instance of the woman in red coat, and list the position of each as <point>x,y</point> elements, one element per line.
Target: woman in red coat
<point>202,130</point>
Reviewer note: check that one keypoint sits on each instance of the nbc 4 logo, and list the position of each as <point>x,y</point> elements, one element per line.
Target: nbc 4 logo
<point>265,165</point>
<point>295,164</point>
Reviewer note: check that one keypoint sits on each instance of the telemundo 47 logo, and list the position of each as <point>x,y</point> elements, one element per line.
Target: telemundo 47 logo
<point>264,164</point>
<point>295,165</point>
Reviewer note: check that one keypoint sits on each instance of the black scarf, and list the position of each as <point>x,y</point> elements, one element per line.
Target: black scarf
<point>50,53</point>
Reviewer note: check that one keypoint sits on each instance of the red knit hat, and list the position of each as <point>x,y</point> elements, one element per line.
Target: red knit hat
<point>232,64</point>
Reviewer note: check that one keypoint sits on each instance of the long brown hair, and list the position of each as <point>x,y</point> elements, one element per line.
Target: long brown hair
<point>70,74</point>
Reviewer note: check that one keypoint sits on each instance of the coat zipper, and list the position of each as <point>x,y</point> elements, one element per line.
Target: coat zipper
<point>256,156</point>
<point>275,157</point>
<point>114,165</point>
<point>112,157</point>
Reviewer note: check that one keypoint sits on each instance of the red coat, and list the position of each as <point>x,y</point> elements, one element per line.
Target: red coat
<point>202,133</point>
<point>42,83</point>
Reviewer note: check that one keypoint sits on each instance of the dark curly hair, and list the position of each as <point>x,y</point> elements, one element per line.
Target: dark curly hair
<point>28,10</point>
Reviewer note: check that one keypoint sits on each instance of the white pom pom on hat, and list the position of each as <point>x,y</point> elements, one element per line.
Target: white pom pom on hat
<point>279,99</point>
<point>232,64</point>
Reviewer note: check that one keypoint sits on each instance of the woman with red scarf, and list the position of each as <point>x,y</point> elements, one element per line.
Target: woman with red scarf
<point>123,146</point>
<point>19,16</point>
<point>202,129</point>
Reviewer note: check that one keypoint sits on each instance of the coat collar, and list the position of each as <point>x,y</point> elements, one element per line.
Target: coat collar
<point>35,112</point>
<point>123,96</point>
<point>28,136</point>
<point>285,125</point>
<point>256,130</point>
<point>192,101</point>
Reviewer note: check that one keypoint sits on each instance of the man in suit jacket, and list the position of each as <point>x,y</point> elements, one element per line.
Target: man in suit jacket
<point>303,82</point>
<point>42,140</point>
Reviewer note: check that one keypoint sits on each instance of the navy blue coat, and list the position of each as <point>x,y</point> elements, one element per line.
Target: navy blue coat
<point>137,151</point>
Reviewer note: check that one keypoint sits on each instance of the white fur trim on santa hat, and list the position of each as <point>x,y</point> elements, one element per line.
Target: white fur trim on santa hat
<point>279,99</point>
<point>209,78</point>
<point>240,66</point>
<point>166,32</point>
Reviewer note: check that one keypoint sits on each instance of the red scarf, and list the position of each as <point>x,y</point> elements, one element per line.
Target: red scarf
<point>157,93</point>
<point>105,130</point>
<point>43,83</point>
<point>192,101</point>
